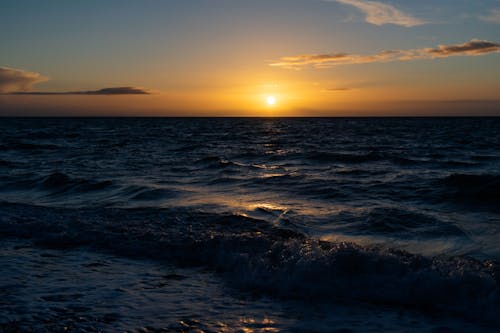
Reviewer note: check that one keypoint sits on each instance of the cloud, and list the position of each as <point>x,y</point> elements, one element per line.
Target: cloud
<point>119,91</point>
<point>474,47</point>
<point>492,17</point>
<point>103,91</point>
<point>379,13</point>
<point>18,80</point>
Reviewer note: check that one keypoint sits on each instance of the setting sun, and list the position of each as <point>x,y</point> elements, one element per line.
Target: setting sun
<point>271,100</point>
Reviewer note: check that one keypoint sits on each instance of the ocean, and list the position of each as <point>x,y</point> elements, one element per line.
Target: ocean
<point>249,224</point>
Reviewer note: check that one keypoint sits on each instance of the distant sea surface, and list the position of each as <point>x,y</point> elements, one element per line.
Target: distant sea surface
<point>244,223</point>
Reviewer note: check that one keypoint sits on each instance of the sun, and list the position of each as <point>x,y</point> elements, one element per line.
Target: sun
<point>271,100</point>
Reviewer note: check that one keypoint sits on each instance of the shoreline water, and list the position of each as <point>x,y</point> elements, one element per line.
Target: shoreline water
<point>251,257</point>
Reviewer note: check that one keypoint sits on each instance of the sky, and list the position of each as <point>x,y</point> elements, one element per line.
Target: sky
<point>249,58</point>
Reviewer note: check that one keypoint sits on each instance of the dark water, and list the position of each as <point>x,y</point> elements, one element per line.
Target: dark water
<point>394,214</point>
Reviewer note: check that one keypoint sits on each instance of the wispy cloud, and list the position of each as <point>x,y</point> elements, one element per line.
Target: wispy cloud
<point>18,80</point>
<point>379,13</point>
<point>474,47</point>
<point>492,17</point>
<point>103,91</point>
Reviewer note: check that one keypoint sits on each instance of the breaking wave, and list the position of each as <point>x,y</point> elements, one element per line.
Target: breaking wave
<point>255,256</point>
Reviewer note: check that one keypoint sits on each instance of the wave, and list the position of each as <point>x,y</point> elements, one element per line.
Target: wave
<point>345,157</point>
<point>256,256</point>
<point>21,145</point>
<point>360,158</point>
<point>321,191</point>
<point>291,178</point>
<point>53,184</point>
<point>485,157</point>
<point>145,193</point>
<point>458,164</point>
<point>209,159</point>
<point>473,188</point>
<point>216,162</point>
<point>60,183</point>
<point>276,179</point>
<point>7,164</point>
<point>59,188</point>
<point>396,222</point>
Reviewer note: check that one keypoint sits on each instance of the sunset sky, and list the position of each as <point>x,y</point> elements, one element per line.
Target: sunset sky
<point>235,57</point>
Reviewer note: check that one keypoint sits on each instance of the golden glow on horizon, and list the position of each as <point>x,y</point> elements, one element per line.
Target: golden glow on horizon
<point>251,95</point>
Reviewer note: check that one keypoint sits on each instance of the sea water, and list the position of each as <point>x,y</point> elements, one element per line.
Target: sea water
<point>250,224</point>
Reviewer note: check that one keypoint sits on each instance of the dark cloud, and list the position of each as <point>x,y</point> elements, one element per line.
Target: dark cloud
<point>118,91</point>
<point>103,91</point>
<point>474,47</point>
<point>18,80</point>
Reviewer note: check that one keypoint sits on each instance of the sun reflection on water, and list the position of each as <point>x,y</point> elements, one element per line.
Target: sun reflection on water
<point>250,325</point>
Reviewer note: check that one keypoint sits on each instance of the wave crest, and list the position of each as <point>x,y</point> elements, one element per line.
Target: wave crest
<point>254,255</point>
